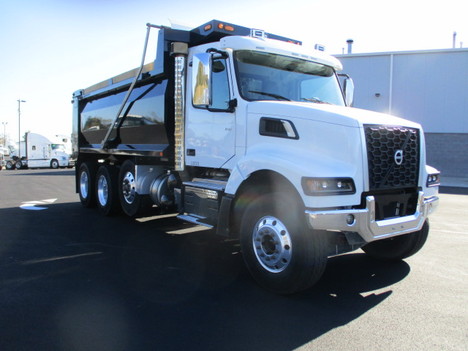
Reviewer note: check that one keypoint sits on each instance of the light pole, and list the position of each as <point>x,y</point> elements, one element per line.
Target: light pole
<point>4,134</point>
<point>19,127</point>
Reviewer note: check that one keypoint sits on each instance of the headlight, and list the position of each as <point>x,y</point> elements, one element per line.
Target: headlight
<point>328,186</point>
<point>433,179</point>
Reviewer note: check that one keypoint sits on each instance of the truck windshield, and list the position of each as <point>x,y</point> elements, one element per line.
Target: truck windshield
<point>58,147</point>
<point>267,76</point>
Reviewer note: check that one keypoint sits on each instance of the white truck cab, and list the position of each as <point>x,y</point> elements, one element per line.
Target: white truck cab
<point>39,151</point>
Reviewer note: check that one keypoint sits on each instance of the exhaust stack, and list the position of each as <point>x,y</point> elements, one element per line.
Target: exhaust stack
<point>350,45</point>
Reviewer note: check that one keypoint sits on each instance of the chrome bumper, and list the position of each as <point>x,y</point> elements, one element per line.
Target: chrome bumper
<point>364,223</point>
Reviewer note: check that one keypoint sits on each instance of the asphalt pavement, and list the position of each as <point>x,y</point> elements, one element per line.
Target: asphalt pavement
<point>71,279</point>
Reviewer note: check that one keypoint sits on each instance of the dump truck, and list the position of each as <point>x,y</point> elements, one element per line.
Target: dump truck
<point>252,134</point>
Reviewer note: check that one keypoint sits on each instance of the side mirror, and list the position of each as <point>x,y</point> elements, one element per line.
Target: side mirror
<point>201,81</point>
<point>348,90</point>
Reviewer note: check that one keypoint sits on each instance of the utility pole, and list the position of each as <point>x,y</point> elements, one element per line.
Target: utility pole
<point>19,127</point>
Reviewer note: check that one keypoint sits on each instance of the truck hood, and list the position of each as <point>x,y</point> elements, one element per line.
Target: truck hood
<point>340,115</point>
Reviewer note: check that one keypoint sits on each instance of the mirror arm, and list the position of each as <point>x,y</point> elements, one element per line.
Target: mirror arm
<point>231,108</point>
<point>223,54</point>
<point>232,105</point>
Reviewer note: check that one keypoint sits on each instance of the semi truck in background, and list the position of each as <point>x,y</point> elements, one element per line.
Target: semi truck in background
<point>251,134</point>
<point>39,151</point>
<point>4,154</point>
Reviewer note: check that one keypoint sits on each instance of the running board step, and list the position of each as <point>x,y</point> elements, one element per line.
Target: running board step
<point>201,201</point>
<point>194,219</point>
<point>208,184</point>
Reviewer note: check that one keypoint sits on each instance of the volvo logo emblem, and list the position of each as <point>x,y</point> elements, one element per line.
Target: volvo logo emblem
<point>398,157</point>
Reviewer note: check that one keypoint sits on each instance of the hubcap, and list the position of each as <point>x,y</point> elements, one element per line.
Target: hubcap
<point>102,190</point>
<point>129,187</point>
<point>272,244</point>
<point>84,184</point>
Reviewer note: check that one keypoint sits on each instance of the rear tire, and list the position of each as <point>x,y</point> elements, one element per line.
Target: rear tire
<point>132,203</point>
<point>400,247</point>
<point>86,179</point>
<point>18,164</point>
<point>280,251</point>
<point>106,190</point>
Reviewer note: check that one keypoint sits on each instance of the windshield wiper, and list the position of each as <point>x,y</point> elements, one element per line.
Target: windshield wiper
<point>276,96</point>
<point>315,100</point>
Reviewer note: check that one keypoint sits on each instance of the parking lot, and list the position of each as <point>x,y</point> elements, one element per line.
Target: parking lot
<point>72,279</point>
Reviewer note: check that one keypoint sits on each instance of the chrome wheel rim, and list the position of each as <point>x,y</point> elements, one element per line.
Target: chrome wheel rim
<point>84,186</point>
<point>103,190</point>
<point>272,244</point>
<point>129,187</point>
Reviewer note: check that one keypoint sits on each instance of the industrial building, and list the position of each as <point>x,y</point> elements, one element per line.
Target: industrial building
<point>429,87</point>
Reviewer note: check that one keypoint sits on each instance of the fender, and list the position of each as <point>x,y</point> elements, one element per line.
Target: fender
<point>293,165</point>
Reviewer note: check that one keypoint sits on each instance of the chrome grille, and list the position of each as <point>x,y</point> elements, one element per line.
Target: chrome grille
<point>393,156</point>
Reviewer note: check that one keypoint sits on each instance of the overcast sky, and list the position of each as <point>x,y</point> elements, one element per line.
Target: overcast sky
<point>51,48</point>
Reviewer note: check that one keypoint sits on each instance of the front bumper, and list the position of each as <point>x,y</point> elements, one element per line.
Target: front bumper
<point>363,222</point>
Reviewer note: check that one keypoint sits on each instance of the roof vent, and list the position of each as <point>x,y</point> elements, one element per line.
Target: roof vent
<point>319,47</point>
<point>258,33</point>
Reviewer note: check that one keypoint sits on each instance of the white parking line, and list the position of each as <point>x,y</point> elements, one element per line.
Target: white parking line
<point>31,205</point>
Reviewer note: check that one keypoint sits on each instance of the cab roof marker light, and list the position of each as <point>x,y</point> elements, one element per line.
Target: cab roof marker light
<point>223,29</point>
<point>226,27</point>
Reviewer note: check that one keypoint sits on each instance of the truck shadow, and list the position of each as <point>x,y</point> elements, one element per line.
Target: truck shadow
<point>138,284</point>
<point>40,172</point>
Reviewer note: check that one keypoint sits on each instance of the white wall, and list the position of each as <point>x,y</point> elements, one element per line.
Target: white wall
<point>429,87</point>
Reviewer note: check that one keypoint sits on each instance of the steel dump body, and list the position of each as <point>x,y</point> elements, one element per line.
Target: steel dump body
<point>144,130</point>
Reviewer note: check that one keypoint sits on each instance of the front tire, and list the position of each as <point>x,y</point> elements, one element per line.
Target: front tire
<point>280,251</point>
<point>54,164</point>
<point>400,247</point>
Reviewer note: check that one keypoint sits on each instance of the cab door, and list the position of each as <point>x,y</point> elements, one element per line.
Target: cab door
<point>210,117</point>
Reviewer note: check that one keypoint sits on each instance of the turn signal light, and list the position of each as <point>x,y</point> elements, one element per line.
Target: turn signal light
<point>433,180</point>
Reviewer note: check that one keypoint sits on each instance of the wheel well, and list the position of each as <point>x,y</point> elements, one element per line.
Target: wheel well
<point>255,185</point>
